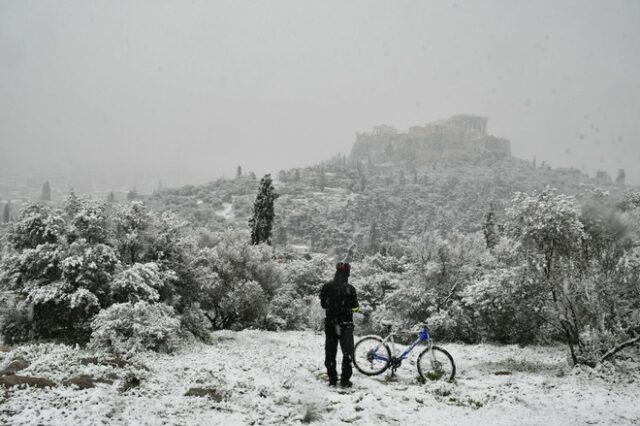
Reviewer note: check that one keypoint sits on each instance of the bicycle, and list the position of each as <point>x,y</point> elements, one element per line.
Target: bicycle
<point>372,356</point>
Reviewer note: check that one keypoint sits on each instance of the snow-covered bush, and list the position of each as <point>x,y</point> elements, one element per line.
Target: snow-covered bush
<point>140,282</point>
<point>244,305</point>
<point>63,268</point>
<point>581,264</point>
<point>287,311</point>
<point>15,325</point>
<point>375,277</point>
<point>235,281</point>
<point>306,276</point>
<point>196,322</point>
<point>505,307</point>
<point>126,328</point>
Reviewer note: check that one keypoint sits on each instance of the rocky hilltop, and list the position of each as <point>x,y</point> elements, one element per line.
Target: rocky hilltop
<point>460,137</point>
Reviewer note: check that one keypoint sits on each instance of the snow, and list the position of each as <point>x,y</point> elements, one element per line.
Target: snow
<point>275,378</point>
<point>226,212</point>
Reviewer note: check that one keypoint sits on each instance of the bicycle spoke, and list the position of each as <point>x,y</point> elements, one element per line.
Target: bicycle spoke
<point>371,356</point>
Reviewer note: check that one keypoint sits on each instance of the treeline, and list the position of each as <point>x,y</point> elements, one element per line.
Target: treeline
<point>125,278</point>
<point>559,271</point>
<point>374,205</point>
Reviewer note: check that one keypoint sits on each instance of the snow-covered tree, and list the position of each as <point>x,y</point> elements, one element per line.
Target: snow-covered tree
<point>139,282</point>
<point>263,212</point>
<point>45,194</point>
<point>6,215</point>
<point>132,222</point>
<point>72,204</point>
<point>90,222</point>
<point>230,265</point>
<point>489,229</point>
<point>37,225</point>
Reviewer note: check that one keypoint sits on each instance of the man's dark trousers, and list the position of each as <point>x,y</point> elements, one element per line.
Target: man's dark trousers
<point>338,333</point>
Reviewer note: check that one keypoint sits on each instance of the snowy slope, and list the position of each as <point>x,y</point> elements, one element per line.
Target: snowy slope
<point>278,378</point>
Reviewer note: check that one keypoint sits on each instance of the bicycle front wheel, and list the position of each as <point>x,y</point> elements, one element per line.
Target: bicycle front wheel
<point>436,364</point>
<point>371,356</point>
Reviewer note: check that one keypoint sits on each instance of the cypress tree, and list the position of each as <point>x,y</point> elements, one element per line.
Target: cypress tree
<point>322,180</point>
<point>45,195</point>
<point>489,229</point>
<point>6,217</point>
<point>263,212</point>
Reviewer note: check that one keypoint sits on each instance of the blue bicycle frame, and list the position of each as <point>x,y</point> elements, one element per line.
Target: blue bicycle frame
<point>424,336</point>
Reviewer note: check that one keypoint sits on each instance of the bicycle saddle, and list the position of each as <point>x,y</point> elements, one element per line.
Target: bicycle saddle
<point>387,323</point>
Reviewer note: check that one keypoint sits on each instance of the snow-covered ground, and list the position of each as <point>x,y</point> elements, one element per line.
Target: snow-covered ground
<point>258,377</point>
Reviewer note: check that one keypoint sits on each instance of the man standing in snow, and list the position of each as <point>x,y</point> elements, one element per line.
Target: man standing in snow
<point>340,301</point>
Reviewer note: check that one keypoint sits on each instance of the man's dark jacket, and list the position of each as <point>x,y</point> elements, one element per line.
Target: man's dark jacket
<point>338,298</point>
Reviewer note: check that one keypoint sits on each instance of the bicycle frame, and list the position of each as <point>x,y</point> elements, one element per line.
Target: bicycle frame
<point>424,336</point>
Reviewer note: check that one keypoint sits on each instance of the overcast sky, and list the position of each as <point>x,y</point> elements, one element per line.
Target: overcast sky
<point>207,85</point>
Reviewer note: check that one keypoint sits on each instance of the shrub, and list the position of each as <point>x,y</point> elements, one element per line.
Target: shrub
<point>140,282</point>
<point>15,326</point>
<point>132,327</point>
<point>196,322</point>
<point>287,311</point>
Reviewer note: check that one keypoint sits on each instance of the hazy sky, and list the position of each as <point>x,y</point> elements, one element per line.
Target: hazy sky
<point>208,85</point>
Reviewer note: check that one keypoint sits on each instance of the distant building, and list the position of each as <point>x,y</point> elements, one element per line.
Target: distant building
<point>461,136</point>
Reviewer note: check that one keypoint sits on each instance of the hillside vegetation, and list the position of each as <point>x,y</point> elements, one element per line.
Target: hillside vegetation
<point>328,206</point>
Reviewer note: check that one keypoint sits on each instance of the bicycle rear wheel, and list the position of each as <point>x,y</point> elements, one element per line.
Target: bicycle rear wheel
<point>436,364</point>
<point>371,356</point>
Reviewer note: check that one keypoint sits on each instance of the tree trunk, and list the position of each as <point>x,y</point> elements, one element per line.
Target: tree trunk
<point>618,348</point>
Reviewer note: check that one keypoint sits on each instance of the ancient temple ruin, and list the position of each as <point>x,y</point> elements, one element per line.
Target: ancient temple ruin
<point>458,137</point>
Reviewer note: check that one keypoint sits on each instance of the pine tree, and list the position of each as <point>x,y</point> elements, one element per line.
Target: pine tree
<point>239,171</point>
<point>263,212</point>
<point>6,217</point>
<point>111,197</point>
<point>322,180</point>
<point>374,238</point>
<point>45,195</point>
<point>489,229</point>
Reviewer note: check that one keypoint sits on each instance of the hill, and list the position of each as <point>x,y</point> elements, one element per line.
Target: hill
<point>445,175</point>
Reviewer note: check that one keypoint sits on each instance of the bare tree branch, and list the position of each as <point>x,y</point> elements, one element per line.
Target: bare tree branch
<point>618,348</point>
